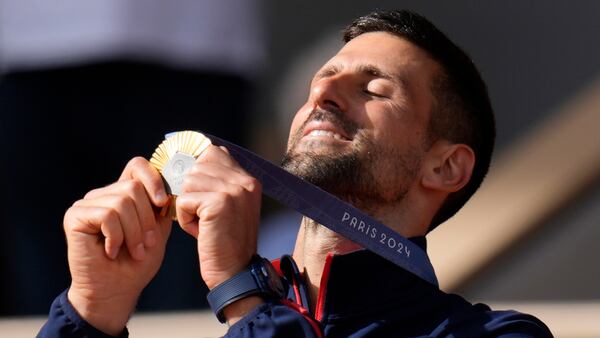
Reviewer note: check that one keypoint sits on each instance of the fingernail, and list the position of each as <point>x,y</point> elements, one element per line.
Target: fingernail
<point>113,252</point>
<point>140,252</point>
<point>161,197</point>
<point>150,238</point>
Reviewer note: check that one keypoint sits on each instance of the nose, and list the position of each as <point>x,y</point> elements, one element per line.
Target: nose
<point>330,92</point>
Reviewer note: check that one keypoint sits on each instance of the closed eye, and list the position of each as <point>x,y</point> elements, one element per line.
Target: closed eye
<point>371,93</point>
<point>378,88</point>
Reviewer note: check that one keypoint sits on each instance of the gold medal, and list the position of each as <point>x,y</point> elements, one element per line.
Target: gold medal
<point>173,158</point>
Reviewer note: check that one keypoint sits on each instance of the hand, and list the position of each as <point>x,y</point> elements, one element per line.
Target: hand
<point>220,206</point>
<point>116,243</point>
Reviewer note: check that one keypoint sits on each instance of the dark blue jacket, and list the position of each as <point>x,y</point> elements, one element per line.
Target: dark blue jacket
<point>361,295</point>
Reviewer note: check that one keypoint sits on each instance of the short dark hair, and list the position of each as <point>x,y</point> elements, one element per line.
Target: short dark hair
<point>462,112</point>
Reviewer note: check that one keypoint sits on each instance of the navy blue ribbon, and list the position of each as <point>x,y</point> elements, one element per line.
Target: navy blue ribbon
<point>331,212</point>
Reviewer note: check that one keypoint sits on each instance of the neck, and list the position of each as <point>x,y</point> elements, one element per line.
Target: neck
<point>315,241</point>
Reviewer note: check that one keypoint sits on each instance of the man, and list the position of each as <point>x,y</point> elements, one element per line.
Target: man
<point>398,124</point>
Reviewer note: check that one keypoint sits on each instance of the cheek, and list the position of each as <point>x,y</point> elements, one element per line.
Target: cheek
<point>297,123</point>
<point>396,125</point>
<point>387,128</point>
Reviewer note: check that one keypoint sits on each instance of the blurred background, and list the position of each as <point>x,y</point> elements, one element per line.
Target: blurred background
<point>85,86</point>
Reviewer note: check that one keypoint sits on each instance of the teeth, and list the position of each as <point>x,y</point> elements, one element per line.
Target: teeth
<point>326,133</point>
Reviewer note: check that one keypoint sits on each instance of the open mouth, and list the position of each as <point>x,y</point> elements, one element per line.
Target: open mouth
<point>327,133</point>
<point>325,130</point>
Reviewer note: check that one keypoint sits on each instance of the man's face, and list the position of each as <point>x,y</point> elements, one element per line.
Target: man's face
<point>363,130</point>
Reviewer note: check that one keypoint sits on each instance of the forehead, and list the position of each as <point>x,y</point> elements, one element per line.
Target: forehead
<point>391,53</point>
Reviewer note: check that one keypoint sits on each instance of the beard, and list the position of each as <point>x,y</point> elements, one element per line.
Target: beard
<point>368,175</point>
<point>339,175</point>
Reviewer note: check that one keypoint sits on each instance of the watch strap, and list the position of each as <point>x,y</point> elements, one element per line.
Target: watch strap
<point>237,287</point>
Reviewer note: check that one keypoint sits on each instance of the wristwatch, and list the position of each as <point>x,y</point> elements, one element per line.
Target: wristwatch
<point>259,278</point>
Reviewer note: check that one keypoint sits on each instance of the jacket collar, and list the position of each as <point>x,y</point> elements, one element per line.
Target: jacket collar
<point>361,281</point>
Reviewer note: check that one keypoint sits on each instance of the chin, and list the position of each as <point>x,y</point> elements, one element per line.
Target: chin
<point>312,147</point>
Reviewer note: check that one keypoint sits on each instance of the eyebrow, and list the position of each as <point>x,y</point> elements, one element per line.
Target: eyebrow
<point>367,69</point>
<point>375,72</point>
<point>329,70</point>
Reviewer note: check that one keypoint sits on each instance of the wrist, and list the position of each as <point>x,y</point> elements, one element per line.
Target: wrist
<point>213,280</point>
<point>108,315</point>
<point>246,290</point>
<point>240,308</point>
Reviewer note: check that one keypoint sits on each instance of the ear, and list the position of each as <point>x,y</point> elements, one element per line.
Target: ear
<point>447,166</point>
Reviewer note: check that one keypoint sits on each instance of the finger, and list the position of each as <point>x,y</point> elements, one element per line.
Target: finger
<point>124,207</point>
<point>137,192</point>
<point>139,168</point>
<point>186,213</point>
<point>214,154</point>
<point>199,181</point>
<point>225,150</point>
<point>218,171</point>
<point>95,220</point>
<point>189,209</point>
<point>165,224</point>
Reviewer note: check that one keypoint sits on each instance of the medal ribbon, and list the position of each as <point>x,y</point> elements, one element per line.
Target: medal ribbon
<point>331,212</point>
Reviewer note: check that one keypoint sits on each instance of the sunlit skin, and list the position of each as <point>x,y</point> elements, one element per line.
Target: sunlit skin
<point>374,98</point>
<point>382,83</point>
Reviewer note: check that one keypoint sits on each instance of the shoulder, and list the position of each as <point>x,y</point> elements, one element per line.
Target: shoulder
<point>479,320</point>
<point>513,322</point>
